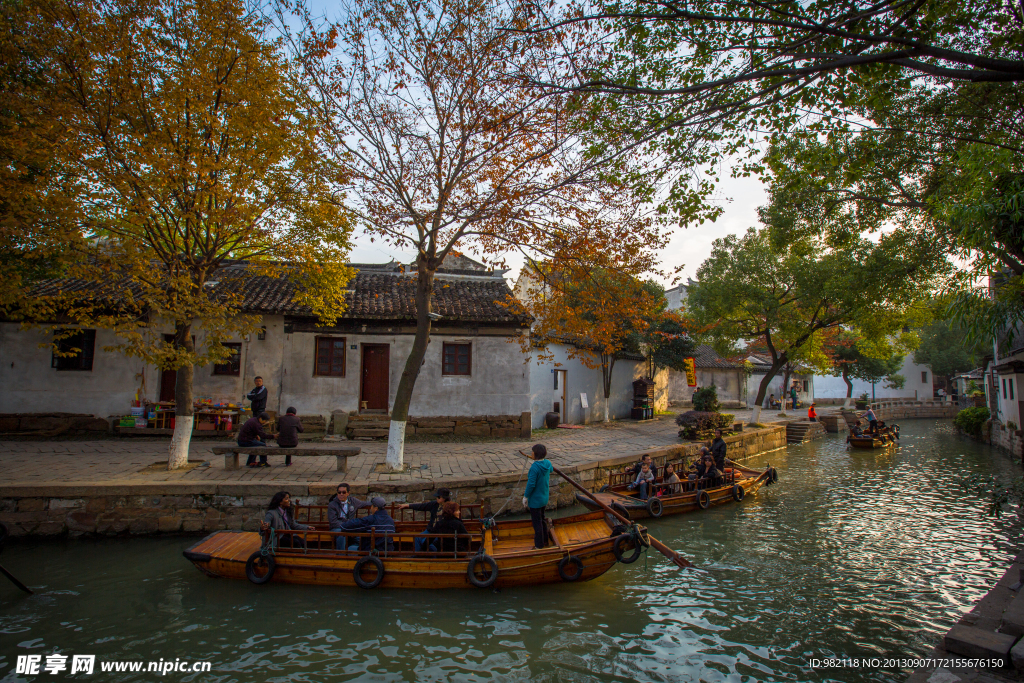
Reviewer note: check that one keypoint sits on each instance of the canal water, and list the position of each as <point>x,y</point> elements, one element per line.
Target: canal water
<point>852,554</point>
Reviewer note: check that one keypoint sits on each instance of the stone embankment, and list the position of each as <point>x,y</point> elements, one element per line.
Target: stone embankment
<point>176,507</point>
<point>904,410</point>
<point>990,632</point>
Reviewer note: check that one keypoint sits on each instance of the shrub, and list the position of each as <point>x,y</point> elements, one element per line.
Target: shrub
<point>970,420</point>
<point>705,400</point>
<point>697,425</point>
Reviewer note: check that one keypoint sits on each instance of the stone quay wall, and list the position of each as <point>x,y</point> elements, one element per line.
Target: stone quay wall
<point>172,507</point>
<point>906,410</point>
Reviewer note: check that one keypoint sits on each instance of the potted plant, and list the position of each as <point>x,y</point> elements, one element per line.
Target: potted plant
<point>862,401</point>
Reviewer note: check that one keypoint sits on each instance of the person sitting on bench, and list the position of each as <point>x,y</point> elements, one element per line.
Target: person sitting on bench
<point>288,428</point>
<point>644,481</point>
<point>251,435</point>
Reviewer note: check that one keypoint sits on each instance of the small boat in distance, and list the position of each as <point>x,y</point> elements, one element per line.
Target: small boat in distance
<point>499,554</point>
<point>686,496</point>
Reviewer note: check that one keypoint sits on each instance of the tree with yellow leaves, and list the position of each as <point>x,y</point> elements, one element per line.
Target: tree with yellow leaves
<point>182,125</point>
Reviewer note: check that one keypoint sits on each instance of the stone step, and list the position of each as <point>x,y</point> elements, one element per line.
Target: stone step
<point>978,643</point>
<point>1013,616</point>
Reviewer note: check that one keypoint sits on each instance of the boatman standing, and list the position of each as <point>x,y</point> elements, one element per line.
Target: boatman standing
<point>258,396</point>
<point>536,495</point>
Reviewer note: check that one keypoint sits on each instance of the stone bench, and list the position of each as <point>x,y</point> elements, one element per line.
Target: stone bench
<point>231,454</point>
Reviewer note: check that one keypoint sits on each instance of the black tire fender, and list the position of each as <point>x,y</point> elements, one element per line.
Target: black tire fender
<point>492,576</point>
<point>620,508</point>
<point>738,492</point>
<point>655,507</point>
<point>357,571</point>
<point>603,488</point>
<point>703,499</point>
<point>251,568</point>
<point>775,475</point>
<point>564,572</point>
<point>619,549</point>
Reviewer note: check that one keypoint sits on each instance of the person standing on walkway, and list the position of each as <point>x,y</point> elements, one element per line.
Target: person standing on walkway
<point>258,396</point>
<point>812,415</point>
<point>792,394</point>
<point>536,495</point>
<point>288,428</point>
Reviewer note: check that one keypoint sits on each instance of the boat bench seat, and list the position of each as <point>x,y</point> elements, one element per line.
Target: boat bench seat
<point>231,454</point>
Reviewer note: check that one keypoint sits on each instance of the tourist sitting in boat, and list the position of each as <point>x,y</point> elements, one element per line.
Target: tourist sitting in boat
<point>378,521</point>
<point>670,480</point>
<point>707,473</point>
<point>441,497</point>
<point>643,482</point>
<point>340,508</point>
<point>279,517</point>
<point>645,460</point>
<point>812,415</point>
<point>449,523</point>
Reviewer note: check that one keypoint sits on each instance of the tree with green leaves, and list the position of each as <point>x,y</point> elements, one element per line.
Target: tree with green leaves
<point>783,297</point>
<point>855,358</point>
<point>943,348</point>
<point>197,167</point>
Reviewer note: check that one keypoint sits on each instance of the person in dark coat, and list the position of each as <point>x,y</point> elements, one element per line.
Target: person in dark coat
<point>341,508</point>
<point>645,460</point>
<point>279,517</point>
<point>288,428</point>
<point>449,523</point>
<point>378,521</point>
<point>441,497</point>
<point>258,396</point>
<point>718,450</point>
<point>251,435</point>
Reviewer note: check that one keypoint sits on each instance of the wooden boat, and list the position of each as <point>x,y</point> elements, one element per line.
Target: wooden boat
<point>499,554</point>
<point>868,441</point>
<point>682,497</point>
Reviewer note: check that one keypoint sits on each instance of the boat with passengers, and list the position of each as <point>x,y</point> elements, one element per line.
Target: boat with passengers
<point>495,554</point>
<point>684,496</point>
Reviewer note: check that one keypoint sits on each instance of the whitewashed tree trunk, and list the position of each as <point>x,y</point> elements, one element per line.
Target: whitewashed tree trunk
<point>177,456</point>
<point>847,403</point>
<point>756,417</point>
<point>396,445</point>
<point>606,401</point>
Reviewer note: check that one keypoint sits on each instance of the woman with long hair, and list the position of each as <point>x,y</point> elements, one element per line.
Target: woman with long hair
<point>280,518</point>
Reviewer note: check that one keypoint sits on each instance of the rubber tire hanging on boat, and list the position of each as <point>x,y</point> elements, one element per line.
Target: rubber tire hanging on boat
<point>703,499</point>
<point>357,571</point>
<point>471,571</point>
<point>620,508</point>
<point>575,576</point>
<point>619,549</point>
<point>250,568</point>
<point>775,475</point>
<point>603,488</point>
<point>738,492</point>
<point>655,507</point>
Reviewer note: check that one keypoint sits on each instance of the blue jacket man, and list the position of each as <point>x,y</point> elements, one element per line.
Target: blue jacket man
<point>536,495</point>
<point>378,520</point>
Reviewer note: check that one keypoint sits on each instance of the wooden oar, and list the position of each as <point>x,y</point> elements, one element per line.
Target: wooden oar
<point>672,555</point>
<point>14,579</point>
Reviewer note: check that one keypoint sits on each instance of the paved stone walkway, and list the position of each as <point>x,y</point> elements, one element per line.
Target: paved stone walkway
<point>132,460</point>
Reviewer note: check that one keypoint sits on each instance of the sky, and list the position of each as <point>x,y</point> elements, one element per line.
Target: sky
<point>688,246</point>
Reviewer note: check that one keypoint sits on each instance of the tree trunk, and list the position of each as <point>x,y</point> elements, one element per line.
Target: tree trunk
<point>183,413</point>
<point>403,397</point>
<point>849,388</point>
<point>762,389</point>
<point>607,365</point>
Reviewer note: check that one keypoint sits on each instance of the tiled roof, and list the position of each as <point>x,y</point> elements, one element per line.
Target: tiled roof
<point>377,292</point>
<point>705,357</point>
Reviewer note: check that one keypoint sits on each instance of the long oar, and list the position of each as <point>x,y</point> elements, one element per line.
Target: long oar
<point>12,577</point>
<point>672,555</point>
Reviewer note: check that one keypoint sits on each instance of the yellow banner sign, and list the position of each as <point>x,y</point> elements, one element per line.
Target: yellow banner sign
<point>691,371</point>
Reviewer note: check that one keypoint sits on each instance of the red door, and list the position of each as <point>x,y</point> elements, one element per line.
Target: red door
<point>168,378</point>
<point>373,394</point>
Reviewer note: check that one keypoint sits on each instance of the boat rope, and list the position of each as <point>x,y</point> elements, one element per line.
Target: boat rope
<point>270,547</point>
<point>512,493</point>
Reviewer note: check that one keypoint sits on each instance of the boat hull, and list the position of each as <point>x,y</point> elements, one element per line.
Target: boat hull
<point>224,554</point>
<point>857,442</point>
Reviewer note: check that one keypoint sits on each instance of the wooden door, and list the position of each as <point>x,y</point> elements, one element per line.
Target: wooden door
<point>373,392</point>
<point>168,378</point>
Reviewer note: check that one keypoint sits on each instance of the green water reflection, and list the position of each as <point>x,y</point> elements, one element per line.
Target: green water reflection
<point>857,553</point>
